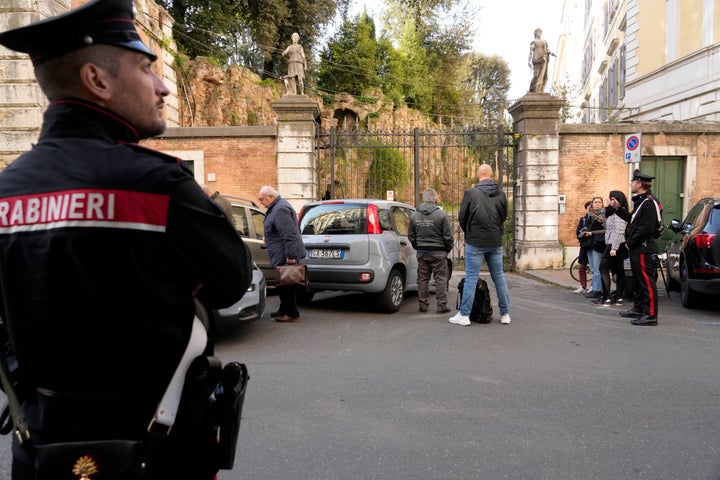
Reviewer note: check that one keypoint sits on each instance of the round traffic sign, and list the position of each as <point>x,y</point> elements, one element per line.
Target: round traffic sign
<point>632,142</point>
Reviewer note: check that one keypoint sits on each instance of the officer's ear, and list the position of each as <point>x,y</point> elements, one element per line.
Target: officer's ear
<point>97,82</point>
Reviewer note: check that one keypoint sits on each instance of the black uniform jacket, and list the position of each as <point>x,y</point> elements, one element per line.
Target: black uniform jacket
<point>641,236</point>
<point>101,245</point>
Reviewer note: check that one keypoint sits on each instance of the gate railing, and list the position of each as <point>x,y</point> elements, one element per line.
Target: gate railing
<point>361,164</point>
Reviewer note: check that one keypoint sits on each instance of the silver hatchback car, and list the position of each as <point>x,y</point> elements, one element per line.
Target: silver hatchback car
<point>359,245</point>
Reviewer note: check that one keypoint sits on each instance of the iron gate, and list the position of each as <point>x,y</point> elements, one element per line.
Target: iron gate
<point>361,164</point>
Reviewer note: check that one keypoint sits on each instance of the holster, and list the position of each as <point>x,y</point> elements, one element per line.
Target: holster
<point>229,398</point>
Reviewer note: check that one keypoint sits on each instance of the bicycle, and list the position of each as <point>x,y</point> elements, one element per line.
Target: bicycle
<point>575,269</point>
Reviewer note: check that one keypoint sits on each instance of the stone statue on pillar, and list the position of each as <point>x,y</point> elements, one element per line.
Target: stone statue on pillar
<point>294,80</point>
<point>538,60</point>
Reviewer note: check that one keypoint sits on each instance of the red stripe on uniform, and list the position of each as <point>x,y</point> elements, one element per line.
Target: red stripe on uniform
<point>652,298</point>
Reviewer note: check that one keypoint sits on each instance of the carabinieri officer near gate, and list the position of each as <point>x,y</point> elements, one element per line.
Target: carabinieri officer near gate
<point>641,241</point>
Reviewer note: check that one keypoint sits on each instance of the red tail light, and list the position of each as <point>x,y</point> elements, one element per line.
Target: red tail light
<point>704,240</point>
<point>299,215</point>
<point>373,220</point>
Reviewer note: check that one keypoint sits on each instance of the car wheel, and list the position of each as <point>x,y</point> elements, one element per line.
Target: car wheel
<point>688,297</point>
<point>389,300</point>
<point>304,297</point>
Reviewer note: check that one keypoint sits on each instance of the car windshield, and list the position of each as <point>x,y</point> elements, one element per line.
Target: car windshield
<point>342,219</point>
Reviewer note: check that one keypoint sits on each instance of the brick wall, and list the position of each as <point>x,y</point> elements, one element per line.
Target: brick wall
<point>591,163</point>
<point>240,159</point>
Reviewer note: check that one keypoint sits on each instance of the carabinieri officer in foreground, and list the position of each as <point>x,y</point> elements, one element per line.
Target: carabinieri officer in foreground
<point>103,245</point>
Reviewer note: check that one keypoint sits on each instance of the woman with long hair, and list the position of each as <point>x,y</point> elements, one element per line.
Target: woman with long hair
<point>596,231</point>
<point>615,252</point>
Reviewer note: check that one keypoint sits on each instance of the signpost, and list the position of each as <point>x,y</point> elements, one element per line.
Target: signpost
<point>633,147</point>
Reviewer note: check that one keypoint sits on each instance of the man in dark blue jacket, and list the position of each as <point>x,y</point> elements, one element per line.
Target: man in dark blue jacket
<point>431,235</point>
<point>285,247</point>
<point>482,214</point>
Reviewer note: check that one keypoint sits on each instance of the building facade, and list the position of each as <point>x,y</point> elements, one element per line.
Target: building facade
<point>640,60</point>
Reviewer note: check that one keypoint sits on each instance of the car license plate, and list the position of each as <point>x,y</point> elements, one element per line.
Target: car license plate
<point>326,253</point>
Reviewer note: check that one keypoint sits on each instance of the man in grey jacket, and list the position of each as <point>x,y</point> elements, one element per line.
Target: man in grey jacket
<point>482,214</point>
<point>430,234</point>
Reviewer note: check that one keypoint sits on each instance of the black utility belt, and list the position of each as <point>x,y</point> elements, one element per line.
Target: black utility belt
<point>212,396</point>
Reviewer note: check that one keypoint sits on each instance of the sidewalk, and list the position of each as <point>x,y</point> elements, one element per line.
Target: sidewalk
<point>558,277</point>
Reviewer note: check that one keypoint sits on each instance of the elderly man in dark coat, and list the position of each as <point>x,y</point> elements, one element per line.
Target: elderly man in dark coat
<point>285,247</point>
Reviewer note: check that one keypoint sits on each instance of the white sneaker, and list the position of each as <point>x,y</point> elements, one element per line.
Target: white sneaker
<point>459,319</point>
<point>505,319</point>
<point>579,290</point>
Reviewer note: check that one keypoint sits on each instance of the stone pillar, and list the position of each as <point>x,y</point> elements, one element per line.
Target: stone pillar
<point>296,180</point>
<point>22,103</point>
<point>535,204</point>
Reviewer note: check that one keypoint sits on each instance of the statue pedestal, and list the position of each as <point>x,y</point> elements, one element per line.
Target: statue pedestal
<point>535,201</point>
<point>296,126</point>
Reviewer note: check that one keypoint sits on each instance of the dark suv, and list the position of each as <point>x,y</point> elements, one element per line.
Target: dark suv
<point>693,253</point>
<point>359,245</point>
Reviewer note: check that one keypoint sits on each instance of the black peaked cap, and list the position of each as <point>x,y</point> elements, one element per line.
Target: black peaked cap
<point>637,175</point>
<point>109,22</point>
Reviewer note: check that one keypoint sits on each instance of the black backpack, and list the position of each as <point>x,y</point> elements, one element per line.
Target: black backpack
<point>482,310</point>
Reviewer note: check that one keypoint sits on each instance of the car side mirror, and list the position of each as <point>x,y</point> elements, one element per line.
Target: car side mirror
<point>675,225</point>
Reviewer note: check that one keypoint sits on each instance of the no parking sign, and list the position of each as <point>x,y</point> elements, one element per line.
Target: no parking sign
<point>633,146</point>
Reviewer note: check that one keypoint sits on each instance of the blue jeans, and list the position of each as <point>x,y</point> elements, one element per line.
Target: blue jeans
<point>474,258</point>
<point>594,258</point>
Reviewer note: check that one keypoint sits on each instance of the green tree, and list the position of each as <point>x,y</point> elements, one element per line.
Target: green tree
<point>272,23</point>
<point>351,60</point>
<point>413,69</point>
<point>487,84</point>
<point>388,171</point>
<point>209,28</point>
<point>254,31</point>
<point>390,67</point>
<point>432,37</point>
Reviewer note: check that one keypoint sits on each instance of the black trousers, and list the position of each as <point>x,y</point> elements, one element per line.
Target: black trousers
<point>288,301</point>
<point>614,265</point>
<point>644,273</point>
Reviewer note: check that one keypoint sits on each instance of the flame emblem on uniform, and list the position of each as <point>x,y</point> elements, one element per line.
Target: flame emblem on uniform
<point>84,467</point>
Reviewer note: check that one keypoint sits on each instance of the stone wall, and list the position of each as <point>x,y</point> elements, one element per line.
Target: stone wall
<point>22,103</point>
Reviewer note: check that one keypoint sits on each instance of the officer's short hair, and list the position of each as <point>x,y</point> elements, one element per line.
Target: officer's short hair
<point>58,76</point>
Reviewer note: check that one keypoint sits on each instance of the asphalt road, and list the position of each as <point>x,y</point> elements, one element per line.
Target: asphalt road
<point>567,391</point>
